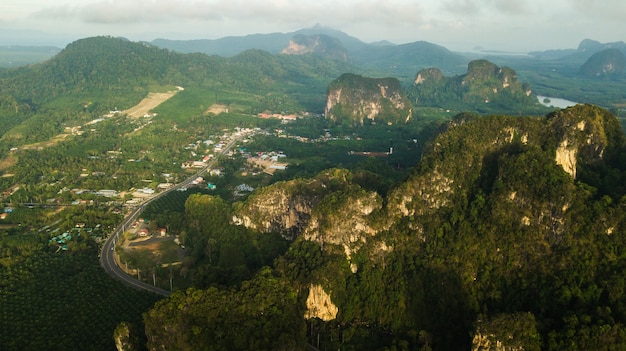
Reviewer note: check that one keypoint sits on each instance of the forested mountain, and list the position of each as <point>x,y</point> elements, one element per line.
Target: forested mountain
<point>510,231</point>
<point>322,45</point>
<point>401,61</point>
<point>485,87</point>
<point>582,53</point>
<point>604,64</point>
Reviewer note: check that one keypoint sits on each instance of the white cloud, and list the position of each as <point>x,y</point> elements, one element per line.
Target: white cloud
<point>498,24</point>
<point>133,11</point>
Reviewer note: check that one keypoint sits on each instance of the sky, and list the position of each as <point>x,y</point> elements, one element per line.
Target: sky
<point>459,25</point>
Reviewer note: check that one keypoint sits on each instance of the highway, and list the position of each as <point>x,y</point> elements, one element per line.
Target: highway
<point>107,255</point>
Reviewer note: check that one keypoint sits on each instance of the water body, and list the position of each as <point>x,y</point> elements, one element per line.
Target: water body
<point>555,102</point>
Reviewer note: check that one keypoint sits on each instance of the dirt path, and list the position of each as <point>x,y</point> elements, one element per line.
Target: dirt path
<point>216,109</point>
<point>150,102</point>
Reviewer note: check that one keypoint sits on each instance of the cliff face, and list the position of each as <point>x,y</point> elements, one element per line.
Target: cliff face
<point>514,332</point>
<point>342,219</point>
<point>283,207</point>
<point>319,304</point>
<point>604,64</point>
<point>319,44</point>
<point>356,100</point>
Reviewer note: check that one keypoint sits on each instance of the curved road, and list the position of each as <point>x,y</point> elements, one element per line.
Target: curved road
<point>107,255</point>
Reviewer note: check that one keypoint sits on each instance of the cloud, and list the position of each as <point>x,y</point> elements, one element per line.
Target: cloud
<point>482,7</point>
<point>614,10</point>
<point>270,11</point>
<point>135,11</point>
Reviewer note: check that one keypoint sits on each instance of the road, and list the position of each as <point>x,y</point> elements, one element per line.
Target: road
<point>107,255</point>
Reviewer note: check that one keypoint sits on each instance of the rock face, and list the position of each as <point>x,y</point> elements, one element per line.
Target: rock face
<point>319,44</point>
<point>319,304</point>
<point>515,332</point>
<point>358,100</point>
<point>343,219</point>
<point>283,207</point>
<point>328,210</point>
<point>604,64</point>
<point>583,135</point>
<point>124,341</point>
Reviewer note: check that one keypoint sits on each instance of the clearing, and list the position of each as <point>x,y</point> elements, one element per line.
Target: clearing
<point>216,109</point>
<point>150,102</point>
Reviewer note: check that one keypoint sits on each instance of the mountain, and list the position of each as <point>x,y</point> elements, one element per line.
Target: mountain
<point>319,44</point>
<point>273,42</point>
<point>505,233</point>
<point>357,100</point>
<point>400,60</point>
<point>485,87</point>
<point>406,59</point>
<point>582,53</point>
<point>604,64</point>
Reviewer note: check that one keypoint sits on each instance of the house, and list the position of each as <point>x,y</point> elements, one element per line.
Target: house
<point>4,215</point>
<point>164,186</point>
<point>211,186</point>
<point>162,231</point>
<point>143,232</point>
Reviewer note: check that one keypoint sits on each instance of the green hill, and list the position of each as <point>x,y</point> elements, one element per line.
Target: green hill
<point>604,64</point>
<point>484,88</point>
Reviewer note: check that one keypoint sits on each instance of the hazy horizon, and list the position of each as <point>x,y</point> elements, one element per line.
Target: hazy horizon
<point>459,25</point>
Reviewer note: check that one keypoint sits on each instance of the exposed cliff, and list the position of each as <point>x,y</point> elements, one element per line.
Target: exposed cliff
<point>485,86</point>
<point>358,100</point>
<point>318,44</point>
<point>516,332</point>
<point>319,304</point>
<point>607,63</point>
<point>343,219</point>
<point>284,207</point>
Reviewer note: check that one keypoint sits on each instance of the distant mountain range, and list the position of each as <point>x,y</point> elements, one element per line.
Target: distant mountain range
<point>402,60</point>
<point>585,50</point>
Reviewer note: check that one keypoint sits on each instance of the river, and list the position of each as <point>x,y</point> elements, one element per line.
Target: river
<point>555,102</point>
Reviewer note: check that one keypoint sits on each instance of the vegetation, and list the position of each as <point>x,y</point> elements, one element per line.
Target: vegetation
<point>50,300</point>
<point>468,228</point>
<point>485,88</point>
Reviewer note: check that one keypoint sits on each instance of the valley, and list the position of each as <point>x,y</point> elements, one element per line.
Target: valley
<point>340,195</point>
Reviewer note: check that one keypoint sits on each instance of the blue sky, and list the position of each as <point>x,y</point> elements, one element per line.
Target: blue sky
<point>510,25</point>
